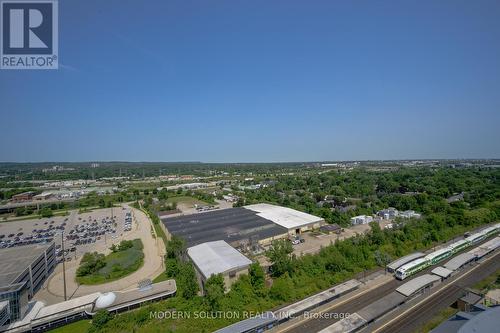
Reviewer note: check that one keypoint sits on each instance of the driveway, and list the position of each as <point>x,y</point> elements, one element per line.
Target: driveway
<point>154,251</point>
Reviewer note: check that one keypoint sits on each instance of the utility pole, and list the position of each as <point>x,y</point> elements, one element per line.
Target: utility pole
<point>64,264</point>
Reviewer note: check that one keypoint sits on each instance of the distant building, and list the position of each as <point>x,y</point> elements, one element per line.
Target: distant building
<point>388,213</point>
<point>43,196</point>
<point>22,272</point>
<point>218,257</point>
<point>361,219</point>
<point>241,226</point>
<point>408,214</point>
<point>26,196</point>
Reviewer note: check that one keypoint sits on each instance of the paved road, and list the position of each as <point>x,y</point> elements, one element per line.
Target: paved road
<point>154,251</point>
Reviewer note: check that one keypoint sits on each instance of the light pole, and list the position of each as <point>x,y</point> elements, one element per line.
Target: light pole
<point>64,264</point>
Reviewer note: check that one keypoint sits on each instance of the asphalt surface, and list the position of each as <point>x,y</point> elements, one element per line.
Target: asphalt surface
<point>423,312</point>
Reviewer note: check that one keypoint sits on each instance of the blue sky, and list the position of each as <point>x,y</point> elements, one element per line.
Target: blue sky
<point>237,81</point>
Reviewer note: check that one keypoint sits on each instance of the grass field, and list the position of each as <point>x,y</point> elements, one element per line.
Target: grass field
<point>118,265</point>
<point>185,200</point>
<point>491,282</point>
<point>76,327</point>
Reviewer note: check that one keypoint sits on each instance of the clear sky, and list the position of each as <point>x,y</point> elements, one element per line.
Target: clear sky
<point>237,81</point>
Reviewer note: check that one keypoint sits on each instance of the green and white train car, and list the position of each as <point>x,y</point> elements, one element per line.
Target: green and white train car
<point>460,245</point>
<point>435,257</point>
<point>411,268</point>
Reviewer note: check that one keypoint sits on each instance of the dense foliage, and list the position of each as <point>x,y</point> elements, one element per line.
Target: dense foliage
<point>125,258</point>
<point>422,189</point>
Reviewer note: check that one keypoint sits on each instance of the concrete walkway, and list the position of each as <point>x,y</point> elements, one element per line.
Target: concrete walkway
<point>154,251</point>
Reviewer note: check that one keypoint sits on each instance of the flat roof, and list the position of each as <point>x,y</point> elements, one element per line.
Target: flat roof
<point>230,225</point>
<point>250,323</point>
<point>77,303</point>
<point>412,286</point>
<point>491,244</point>
<point>15,260</point>
<point>216,257</point>
<point>404,260</point>
<point>486,321</point>
<point>284,216</point>
<point>458,261</point>
<point>318,299</point>
<point>137,295</point>
<point>381,306</point>
<point>442,272</point>
<point>349,324</point>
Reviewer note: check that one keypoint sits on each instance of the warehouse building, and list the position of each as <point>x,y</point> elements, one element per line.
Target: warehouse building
<point>218,257</point>
<point>293,220</point>
<point>242,226</point>
<point>22,272</point>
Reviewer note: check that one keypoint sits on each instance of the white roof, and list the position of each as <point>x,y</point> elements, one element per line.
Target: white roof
<point>411,287</point>
<point>283,216</point>
<point>441,271</point>
<point>67,305</point>
<point>216,257</point>
<point>105,300</point>
<point>460,260</point>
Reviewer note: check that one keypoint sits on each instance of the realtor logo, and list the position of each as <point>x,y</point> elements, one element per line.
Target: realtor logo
<point>29,33</point>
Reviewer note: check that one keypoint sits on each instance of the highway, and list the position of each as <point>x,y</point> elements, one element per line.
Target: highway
<point>409,320</point>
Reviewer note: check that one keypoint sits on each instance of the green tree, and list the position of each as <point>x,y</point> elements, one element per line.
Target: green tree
<point>214,291</point>
<point>100,319</point>
<point>176,247</point>
<point>188,282</point>
<point>282,288</point>
<point>257,277</point>
<point>281,257</point>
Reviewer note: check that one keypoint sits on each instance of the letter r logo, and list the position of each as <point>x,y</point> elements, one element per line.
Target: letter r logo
<point>27,27</point>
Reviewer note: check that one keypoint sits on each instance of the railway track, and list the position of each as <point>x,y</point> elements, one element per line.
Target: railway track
<point>424,311</point>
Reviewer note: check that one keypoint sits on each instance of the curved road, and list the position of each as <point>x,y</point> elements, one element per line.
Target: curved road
<point>154,251</point>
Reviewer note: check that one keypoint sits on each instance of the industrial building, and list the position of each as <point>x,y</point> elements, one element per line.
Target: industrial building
<point>21,197</point>
<point>241,227</point>
<point>361,219</point>
<point>22,272</point>
<point>218,258</point>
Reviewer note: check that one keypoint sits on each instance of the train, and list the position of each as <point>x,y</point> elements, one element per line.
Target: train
<point>437,256</point>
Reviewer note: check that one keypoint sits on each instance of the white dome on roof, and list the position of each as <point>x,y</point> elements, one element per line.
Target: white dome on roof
<point>105,300</point>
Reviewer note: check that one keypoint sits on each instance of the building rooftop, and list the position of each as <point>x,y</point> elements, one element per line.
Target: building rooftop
<point>216,257</point>
<point>381,306</point>
<point>247,325</point>
<point>15,260</point>
<point>458,261</point>
<point>404,260</point>
<point>284,216</point>
<point>412,286</point>
<point>441,271</point>
<point>230,225</point>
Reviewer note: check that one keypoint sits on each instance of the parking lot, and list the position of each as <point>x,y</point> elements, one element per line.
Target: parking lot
<point>85,232</point>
